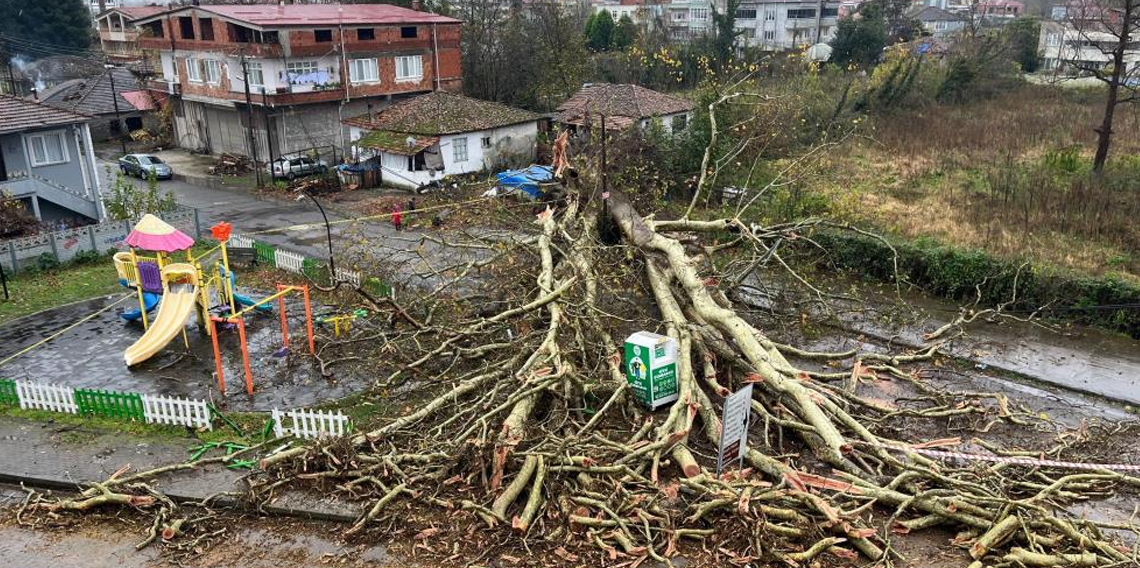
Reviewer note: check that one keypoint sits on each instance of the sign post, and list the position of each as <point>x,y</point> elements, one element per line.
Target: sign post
<point>734,428</point>
<point>651,368</point>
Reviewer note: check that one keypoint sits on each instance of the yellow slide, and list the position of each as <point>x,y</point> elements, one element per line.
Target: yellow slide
<point>177,304</point>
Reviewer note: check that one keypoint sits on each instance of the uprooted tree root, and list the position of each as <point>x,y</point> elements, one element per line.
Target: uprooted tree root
<point>531,430</point>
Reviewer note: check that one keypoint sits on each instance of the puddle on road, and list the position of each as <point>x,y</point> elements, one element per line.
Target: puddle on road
<point>254,543</point>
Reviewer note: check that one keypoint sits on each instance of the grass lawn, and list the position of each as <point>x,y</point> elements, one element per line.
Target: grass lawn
<point>33,292</point>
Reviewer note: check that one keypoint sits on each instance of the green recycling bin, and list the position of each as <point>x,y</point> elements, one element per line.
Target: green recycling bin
<point>651,368</point>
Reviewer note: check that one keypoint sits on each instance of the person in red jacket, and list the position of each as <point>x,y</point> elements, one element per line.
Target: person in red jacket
<point>397,217</point>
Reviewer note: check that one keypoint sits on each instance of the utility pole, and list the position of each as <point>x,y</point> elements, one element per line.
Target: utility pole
<point>249,118</point>
<point>115,99</point>
<point>265,113</point>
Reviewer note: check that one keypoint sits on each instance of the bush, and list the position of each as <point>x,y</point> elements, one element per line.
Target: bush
<point>962,274</point>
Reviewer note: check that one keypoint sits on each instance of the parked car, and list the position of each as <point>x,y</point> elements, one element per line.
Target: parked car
<point>143,165</point>
<point>293,167</point>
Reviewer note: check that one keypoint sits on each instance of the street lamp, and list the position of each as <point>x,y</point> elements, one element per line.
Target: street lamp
<point>328,232</point>
<point>115,99</point>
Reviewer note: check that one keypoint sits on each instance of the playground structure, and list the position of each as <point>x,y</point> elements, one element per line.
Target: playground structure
<point>182,288</point>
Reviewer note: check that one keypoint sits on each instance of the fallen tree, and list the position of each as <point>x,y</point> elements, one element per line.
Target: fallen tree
<point>525,428</point>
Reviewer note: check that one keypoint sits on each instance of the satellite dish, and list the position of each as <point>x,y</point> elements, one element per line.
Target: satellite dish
<point>819,52</point>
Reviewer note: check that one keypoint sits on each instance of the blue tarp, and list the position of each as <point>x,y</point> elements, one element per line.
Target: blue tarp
<point>527,180</point>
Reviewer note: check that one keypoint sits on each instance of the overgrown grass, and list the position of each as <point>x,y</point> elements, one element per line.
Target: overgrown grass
<point>1009,175</point>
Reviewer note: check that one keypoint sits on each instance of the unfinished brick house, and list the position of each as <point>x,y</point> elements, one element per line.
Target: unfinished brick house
<point>306,68</point>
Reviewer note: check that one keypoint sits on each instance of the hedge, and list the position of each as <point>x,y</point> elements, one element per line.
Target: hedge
<point>1110,302</point>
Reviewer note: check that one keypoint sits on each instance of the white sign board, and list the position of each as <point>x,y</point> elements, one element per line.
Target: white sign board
<point>734,428</point>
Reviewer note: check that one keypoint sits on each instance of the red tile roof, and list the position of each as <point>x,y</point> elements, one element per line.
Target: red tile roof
<point>17,115</point>
<point>136,12</point>
<point>311,15</point>
<point>614,100</point>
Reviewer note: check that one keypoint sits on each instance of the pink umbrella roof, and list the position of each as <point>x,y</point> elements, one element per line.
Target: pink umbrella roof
<point>152,233</point>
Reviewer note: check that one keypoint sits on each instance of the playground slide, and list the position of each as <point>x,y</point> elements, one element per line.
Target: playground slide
<point>149,300</point>
<point>177,305</point>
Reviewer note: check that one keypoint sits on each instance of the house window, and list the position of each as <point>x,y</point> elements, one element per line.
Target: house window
<point>680,122</point>
<point>409,32</point>
<point>363,71</point>
<point>769,35</point>
<point>186,25</point>
<point>1053,39</point>
<point>698,13</point>
<point>770,15</point>
<point>213,71</point>
<point>485,142</point>
<point>830,12</point>
<point>206,25</point>
<point>322,36</point>
<point>47,149</point>
<point>746,14</point>
<point>155,29</point>
<point>801,13</point>
<point>301,67</point>
<point>459,150</point>
<point>409,68</point>
<point>365,34</point>
<point>255,73</point>
<point>193,70</point>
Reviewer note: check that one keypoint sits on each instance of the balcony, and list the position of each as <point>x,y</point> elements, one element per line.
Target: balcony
<point>118,35</point>
<point>809,23</point>
<point>164,86</point>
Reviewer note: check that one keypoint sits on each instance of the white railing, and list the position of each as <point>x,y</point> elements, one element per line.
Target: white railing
<point>350,276</point>
<point>57,398</point>
<point>240,241</point>
<point>290,261</point>
<point>176,411</point>
<point>310,424</point>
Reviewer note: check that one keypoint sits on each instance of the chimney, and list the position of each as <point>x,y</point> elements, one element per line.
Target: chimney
<point>416,5</point>
<point>102,6</point>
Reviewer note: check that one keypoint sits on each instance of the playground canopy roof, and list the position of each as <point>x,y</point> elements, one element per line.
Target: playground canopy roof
<point>152,233</point>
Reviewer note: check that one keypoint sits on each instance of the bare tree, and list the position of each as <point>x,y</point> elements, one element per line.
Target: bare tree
<point>1099,42</point>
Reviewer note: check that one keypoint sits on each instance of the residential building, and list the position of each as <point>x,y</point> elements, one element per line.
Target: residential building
<point>1068,51</point>
<point>939,22</point>
<point>419,140</point>
<point>624,106</point>
<point>47,161</point>
<point>126,107</point>
<point>289,74</point>
<point>119,36</point>
<point>785,24</point>
<point>998,11</point>
<point>687,19</point>
<point>645,15</point>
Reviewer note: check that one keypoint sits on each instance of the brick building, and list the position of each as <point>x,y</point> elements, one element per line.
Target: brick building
<point>296,70</point>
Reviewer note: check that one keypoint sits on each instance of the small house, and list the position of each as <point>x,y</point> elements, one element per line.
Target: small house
<point>115,100</point>
<point>623,106</point>
<point>48,162</point>
<point>420,140</point>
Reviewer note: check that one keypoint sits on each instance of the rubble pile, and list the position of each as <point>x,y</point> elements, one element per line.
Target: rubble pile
<point>231,165</point>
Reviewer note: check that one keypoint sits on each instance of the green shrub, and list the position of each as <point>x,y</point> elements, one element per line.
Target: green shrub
<point>962,274</point>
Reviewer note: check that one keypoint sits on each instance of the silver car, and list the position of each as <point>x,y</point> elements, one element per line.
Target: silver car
<point>143,166</point>
<point>297,166</point>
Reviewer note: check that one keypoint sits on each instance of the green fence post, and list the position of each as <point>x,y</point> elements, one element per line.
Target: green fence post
<point>8,394</point>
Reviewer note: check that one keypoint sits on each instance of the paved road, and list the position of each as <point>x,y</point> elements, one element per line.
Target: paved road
<point>415,258</point>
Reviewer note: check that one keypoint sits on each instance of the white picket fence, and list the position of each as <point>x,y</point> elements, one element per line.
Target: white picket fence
<point>310,424</point>
<point>176,411</point>
<point>240,241</point>
<point>290,261</point>
<point>350,276</point>
<point>56,398</point>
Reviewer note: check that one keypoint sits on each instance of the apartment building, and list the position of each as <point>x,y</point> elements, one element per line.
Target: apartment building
<point>118,34</point>
<point>778,25</point>
<point>289,74</point>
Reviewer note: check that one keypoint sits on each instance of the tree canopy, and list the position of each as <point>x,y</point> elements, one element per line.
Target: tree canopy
<point>56,26</point>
